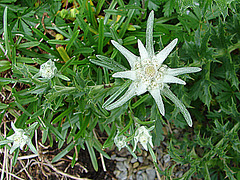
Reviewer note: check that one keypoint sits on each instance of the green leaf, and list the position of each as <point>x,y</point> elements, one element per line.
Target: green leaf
<point>57,42</point>
<point>223,6</point>
<point>127,126</point>
<point>67,64</point>
<point>132,153</point>
<point>63,152</point>
<point>100,36</point>
<point>33,149</point>
<point>85,123</point>
<point>99,6</point>
<point>83,50</point>
<point>115,12</point>
<point>168,93</point>
<point>207,175</point>
<point>54,131</point>
<point>143,122</point>
<point>97,145</point>
<point>22,109</point>
<point>92,155</point>
<point>71,41</point>
<point>126,23</point>
<point>40,34</point>
<point>169,8</point>
<point>5,29</point>
<point>16,153</point>
<point>63,53</point>
<point>63,114</point>
<point>152,153</point>
<point>117,93</point>
<point>108,63</point>
<point>4,65</point>
<point>91,16</point>
<point>140,101</point>
<point>29,44</point>
<point>110,138</point>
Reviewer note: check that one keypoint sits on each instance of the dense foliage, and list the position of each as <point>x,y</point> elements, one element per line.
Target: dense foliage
<point>68,106</point>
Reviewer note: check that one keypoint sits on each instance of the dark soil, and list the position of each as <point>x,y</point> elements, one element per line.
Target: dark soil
<point>83,168</point>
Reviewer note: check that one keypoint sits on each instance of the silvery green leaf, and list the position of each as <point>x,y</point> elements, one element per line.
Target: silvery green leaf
<point>168,93</point>
<point>65,78</point>
<point>108,63</point>
<point>117,93</point>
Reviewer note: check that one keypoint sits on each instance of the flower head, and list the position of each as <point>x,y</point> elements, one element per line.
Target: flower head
<point>149,74</point>
<point>120,141</point>
<point>21,137</point>
<point>48,69</point>
<point>143,136</point>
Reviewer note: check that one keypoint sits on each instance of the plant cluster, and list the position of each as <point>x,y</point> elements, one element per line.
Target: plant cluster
<point>69,67</point>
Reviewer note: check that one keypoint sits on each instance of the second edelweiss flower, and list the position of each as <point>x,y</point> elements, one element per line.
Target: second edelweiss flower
<point>48,69</point>
<point>143,136</point>
<point>21,137</point>
<point>149,74</point>
<point>120,141</point>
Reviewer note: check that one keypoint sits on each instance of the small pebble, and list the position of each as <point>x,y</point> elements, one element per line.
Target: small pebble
<point>145,176</point>
<point>135,165</point>
<point>131,177</point>
<point>133,160</point>
<point>126,164</point>
<point>151,173</point>
<point>146,162</point>
<point>122,175</point>
<point>121,166</point>
<point>113,156</point>
<point>116,172</point>
<point>140,159</point>
<point>166,158</point>
<point>139,175</point>
<point>179,174</point>
<point>120,159</point>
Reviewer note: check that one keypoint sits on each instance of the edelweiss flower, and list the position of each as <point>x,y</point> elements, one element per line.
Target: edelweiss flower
<point>20,138</point>
<point>143,136</point>
<point>48,69</point>
<point>120,141</point>
<point>149,74</point>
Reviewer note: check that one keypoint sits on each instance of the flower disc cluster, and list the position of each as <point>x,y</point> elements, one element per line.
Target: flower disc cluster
<point>149,74</point>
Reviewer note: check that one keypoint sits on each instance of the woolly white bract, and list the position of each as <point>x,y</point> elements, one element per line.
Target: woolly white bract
<point>149,74</point>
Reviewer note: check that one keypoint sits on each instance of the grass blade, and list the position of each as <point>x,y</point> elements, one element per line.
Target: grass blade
<point>71,41</point>
<point>126,24</point>
<point>5,29</point>
<point>64,152</point>
<point>100,36</point>
<point>92,155</point>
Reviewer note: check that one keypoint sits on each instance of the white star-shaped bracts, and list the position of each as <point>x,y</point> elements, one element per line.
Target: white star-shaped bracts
<point>143,136</point>
<point>149,74</point>
<point>120,141</point>
<point>20,138</point>
<point>48,69</point>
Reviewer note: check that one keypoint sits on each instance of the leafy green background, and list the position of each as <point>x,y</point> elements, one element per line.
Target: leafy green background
<point>68,111</point>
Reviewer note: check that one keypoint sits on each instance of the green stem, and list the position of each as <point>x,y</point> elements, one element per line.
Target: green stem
<point>230,49</point>
<point>208,70</point>
<point>234,46</point>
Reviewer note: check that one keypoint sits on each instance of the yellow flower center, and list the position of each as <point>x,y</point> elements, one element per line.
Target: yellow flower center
<point>150,71</point>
